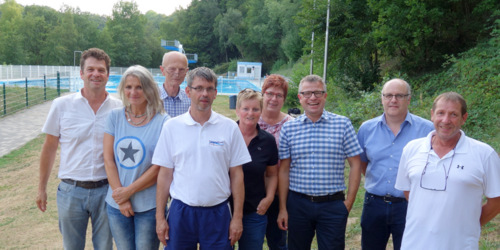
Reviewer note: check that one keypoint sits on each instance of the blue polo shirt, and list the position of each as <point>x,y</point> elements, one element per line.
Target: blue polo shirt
<point>318,151</point>
<point>382,150</point>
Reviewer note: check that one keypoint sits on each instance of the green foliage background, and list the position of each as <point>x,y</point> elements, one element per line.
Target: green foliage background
<point>437,46</point>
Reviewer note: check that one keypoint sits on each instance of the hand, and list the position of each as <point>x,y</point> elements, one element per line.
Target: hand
<point>264,205</point>
<point>126,209</point>
<point>348,205</point>
<point>235,230</point>
<point>121,195</point>
<point>162,230</point>
<point>283,220</point>
<point>41,201</point>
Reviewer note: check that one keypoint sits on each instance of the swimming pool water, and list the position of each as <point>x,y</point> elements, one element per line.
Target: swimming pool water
<point>224,86</point>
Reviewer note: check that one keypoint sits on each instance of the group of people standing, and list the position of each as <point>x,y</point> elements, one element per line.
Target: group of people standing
<point>267,175</point>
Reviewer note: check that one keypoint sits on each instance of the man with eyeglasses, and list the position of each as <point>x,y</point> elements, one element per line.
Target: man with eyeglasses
<point>445,176</point>
<point>313,148</point>
<point>382,139</point>
<point>174,67</point>
<point>201,154</point>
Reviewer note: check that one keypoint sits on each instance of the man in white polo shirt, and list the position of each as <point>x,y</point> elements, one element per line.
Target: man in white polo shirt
<point>77,121</point>
<point>201,153</point>
<point>445,177</point>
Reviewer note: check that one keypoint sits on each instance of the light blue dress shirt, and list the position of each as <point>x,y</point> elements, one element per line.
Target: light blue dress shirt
<point>382,150</point>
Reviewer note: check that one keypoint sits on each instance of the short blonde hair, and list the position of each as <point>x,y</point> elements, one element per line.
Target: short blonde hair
<point>248,94</point>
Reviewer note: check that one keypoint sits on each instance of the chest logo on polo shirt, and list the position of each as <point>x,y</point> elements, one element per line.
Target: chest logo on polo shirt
<point>129,152</point>
<point>216,143</point>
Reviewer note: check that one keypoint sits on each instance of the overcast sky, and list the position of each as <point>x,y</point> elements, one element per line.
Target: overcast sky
<point>105,7</point>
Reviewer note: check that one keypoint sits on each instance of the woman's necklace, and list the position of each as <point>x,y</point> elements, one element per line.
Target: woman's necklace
<point>129,118</point>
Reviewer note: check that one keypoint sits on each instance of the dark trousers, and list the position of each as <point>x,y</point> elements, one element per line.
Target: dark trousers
<point>276,238</point>
<point>208,226</point>
<point>305,218</point>
<point>379,220</point>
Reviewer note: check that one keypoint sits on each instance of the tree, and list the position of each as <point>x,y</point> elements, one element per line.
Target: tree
<point>420,33</point>
<point>352,53</point>
<point>126,29</point>
<point>11,47</point>
<point>61,40</point>
<point>229,27</point>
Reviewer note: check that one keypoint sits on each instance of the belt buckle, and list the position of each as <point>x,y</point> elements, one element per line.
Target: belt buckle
<point>387,198</point>
<point>311,198</point>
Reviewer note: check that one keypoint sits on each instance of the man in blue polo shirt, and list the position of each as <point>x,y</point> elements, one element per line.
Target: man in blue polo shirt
<point>382,139</point>
<point>313,149</point>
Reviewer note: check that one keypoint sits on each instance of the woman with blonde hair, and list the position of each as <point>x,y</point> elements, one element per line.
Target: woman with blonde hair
<point>261,174</point>
<point>131,134</point>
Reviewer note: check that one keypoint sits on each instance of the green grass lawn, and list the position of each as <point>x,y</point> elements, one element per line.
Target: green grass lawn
<point>13,221</point>
<point>16,98</point>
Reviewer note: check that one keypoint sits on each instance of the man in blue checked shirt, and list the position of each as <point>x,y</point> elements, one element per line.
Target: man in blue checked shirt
<point>382,139</point>
<point>174,67</point>
<point>313,149</point>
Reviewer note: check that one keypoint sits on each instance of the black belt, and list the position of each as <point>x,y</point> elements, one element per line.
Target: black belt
<point>86,184</point>
<point>323,198</point>
<point>388,198</point>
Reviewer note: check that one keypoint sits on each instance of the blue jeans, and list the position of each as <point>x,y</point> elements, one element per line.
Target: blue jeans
<point>276,238</point>
<point>254,230</point>
<point>327,219</point>
<point>208,226</point>
<point>380,219</point>
<point>135,232</point>
<point>74,206</point>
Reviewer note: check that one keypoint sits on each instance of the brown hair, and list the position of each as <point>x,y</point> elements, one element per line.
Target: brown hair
<point>451,97</point>
<point>96,53</point>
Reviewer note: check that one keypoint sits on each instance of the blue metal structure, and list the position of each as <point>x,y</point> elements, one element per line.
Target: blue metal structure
<point>177,46</point>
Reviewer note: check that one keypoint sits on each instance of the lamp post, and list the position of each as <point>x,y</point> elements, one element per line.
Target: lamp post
<point>74,56</point>
<point>312,45</point>
<point>326,40</point>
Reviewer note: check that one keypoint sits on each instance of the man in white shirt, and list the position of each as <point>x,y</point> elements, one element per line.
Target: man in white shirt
<point>200,153</point>
<point>76,121</point>
<point>444,177</point>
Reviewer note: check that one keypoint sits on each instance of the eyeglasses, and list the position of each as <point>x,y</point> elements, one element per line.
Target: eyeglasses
<point>398,96</point>
<point>180,71</point>
<point>200,89</point>
<point>270,95</point>
<point>435,179</point>
<point>308,94</point>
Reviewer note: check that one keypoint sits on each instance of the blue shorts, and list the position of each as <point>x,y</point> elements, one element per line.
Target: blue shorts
<point>208,226</point>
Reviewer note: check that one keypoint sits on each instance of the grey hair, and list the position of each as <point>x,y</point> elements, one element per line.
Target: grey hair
<point>149,88</point>
<point>203,73</point>
<point>312,78</point>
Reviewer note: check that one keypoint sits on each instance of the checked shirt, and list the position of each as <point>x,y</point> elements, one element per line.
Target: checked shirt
<point>177,105</point>
<point>318,151</point>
